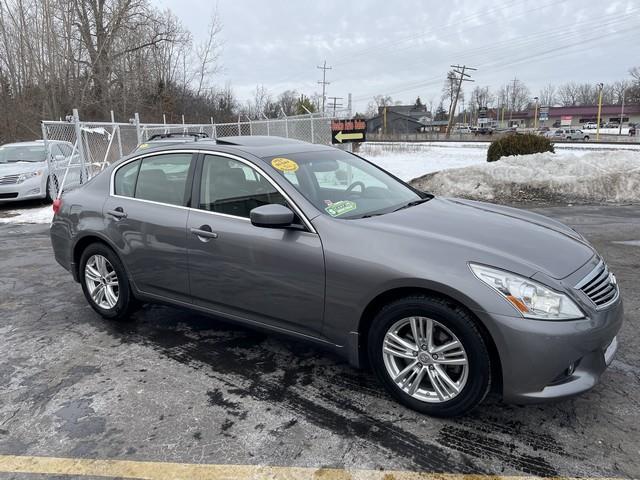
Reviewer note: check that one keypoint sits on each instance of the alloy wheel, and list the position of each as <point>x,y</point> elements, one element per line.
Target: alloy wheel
<point>102,282</point>
<point>425,359</point>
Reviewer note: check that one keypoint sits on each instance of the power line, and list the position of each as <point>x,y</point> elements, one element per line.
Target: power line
<point>324,82</point>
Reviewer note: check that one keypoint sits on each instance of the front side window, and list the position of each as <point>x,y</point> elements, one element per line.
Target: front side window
<point>233,188</point>
<point>163,178</point>
<point>344,185</point>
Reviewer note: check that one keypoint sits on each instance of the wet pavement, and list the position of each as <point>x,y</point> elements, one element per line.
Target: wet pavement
<point>177,386</point>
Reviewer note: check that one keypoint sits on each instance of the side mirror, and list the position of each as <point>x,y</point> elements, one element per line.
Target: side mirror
<point>271,216</point>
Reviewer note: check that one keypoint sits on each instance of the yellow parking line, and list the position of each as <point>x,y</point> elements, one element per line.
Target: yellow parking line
<point>186,471</point>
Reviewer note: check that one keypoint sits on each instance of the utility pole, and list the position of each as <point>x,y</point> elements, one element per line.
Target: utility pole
<point>463,77</point>
<point>535,114</point>
<point>513,101</point>
<point>621,112</point>
<point>335,104</point>
<point>600,86</point>
<point>324,82</point>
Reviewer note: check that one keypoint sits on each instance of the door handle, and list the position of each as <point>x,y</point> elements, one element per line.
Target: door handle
<point>117,213</point>
<point>204,233</point>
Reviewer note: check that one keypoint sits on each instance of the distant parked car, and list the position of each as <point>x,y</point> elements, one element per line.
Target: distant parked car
<point>611,125</point>
<point>570,134</point>
<point>590,126</point>
<point>24,170</point>
<point>462,130</point>
<point>633,129</point>
<point>484,131</point>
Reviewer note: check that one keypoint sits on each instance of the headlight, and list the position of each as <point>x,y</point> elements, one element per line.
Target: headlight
<point>530,298</point>
<point>26,176</point>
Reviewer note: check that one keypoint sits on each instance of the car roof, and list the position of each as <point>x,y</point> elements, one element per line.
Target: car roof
<point>260,146</point>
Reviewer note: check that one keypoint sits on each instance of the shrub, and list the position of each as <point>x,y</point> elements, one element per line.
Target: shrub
<point>518,144</point>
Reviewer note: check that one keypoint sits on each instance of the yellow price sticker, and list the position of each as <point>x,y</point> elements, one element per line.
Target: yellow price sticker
<point>284,164</point>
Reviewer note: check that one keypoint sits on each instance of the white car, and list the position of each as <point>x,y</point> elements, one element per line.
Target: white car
<point>570,134</point>
<point>590,126</point>
<point>24,169</point>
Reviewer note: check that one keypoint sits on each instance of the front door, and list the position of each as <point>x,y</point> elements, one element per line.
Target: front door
<point>264,275</point>
<point>147,219</point>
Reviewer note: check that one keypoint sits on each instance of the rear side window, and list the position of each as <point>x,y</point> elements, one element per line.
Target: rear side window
<point>125,180</point>
<point>163,178</point>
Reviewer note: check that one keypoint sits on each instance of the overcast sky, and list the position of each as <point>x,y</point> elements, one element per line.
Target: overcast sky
<point>404,48</point>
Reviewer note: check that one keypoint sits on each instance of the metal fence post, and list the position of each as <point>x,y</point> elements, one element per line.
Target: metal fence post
<point>312,135</point>
<point>81,151</point>
<point>116,127</point>
<point>136,121</point>
<point>239,128</point>
<point>51,184</point>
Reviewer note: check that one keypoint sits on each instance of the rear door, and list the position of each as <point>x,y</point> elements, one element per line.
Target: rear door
<point>267,275</point>
<point>146,218</point>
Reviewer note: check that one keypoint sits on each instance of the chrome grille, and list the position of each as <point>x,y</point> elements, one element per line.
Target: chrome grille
<point>9,179</point>
<point>600,286</point>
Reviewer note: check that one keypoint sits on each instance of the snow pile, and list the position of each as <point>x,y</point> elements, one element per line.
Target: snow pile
<point>40,214</point>
<point>411,160</point>
<point>611,176</point>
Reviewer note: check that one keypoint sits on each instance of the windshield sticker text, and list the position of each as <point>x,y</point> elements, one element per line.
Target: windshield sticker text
<point>340,208</point>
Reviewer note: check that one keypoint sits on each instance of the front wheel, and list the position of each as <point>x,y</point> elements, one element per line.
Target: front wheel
<point>430,356</point>
<point>586,137</point>
<point>104,282</point>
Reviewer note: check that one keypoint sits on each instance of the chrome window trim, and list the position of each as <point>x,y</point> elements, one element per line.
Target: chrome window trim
<point>237,158</point>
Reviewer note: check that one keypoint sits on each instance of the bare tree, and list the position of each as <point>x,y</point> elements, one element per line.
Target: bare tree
<point>208,52</point>
<point>547,96</point>
<point>568,94</point>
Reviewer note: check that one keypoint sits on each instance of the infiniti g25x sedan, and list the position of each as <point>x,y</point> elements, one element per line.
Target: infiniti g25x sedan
<point>445,299</point>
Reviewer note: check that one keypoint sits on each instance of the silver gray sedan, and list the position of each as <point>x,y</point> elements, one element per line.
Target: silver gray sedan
<point>445,299</point>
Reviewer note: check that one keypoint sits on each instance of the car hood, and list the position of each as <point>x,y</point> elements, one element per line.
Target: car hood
<point>16,168</point>
<point>537,242</point>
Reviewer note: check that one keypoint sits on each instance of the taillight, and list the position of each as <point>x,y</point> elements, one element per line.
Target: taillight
<point>57,205</point>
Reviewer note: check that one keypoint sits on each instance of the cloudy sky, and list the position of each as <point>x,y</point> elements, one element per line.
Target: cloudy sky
<point>404,48</point>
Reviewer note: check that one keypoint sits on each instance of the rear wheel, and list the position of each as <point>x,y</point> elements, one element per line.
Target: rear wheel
<point>429,355</point>
<point>104,282</point>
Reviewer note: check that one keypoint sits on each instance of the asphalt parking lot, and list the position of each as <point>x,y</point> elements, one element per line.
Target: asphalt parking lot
<point>174,386</point>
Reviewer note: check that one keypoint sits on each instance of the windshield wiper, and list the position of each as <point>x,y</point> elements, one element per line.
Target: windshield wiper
<point>413,203</point>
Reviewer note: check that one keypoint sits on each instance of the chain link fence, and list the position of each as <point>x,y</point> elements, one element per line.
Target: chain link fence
<point>79,150</point>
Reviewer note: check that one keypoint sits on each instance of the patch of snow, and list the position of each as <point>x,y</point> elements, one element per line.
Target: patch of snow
<point>40,214</point>
<point>608,176</point>
<point>409,160</point>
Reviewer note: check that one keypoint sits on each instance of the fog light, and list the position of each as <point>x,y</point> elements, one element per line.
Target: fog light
<point>570,369</point>
<point>33,191</point>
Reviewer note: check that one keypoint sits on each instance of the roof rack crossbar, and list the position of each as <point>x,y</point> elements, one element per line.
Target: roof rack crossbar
<point>195,135</point>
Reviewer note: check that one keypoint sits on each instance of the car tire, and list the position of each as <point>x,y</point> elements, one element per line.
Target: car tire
<point>586,137</point>
<point>48,198</point>
<point>472,381</point>
<point>92,276</point>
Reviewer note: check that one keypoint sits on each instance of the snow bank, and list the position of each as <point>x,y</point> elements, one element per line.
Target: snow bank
<point>408,161</point>
<point>607,176</point>
<point>40,214</point>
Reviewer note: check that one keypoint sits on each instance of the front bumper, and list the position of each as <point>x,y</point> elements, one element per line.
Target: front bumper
<point>32,188</point>
<point>545,360</point>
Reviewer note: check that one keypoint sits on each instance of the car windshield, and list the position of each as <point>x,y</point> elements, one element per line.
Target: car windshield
<point>21,153</point>
<point>343,185</point>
